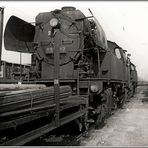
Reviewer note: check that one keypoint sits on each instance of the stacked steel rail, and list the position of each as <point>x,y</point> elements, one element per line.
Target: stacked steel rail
<point>21,107</point>
<point>22,101</point>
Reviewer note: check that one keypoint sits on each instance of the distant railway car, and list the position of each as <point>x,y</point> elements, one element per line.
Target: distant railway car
<point>133,76</point>
<point>14,71</point>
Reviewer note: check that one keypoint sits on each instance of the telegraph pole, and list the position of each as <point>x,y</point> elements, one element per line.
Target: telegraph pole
<point>1,30</point>
<point>20,67</point>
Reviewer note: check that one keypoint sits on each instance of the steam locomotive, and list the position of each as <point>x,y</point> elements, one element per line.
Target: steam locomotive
<point>71,49</point>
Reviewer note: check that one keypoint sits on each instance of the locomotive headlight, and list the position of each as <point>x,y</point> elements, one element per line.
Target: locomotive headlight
<point>94,88</point>
<point>54,22</point>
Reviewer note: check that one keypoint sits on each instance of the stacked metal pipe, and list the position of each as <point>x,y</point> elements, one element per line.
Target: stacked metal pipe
<point>23,101</point>
<point>11,87</point>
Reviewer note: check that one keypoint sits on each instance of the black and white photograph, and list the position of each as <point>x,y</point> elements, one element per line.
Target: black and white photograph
<point>74,73</point>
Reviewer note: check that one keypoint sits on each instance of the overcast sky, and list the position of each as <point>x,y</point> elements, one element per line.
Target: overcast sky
<point>125,23</point>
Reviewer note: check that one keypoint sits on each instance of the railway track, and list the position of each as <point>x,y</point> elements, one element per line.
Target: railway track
<point>59,138</point>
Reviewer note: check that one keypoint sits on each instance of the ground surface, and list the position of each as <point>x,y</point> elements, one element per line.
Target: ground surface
<point>127,127</point>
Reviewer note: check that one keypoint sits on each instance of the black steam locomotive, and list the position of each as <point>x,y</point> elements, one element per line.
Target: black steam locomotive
<point>71,49</point>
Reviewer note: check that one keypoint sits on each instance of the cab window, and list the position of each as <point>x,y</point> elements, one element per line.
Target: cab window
<point>117,53</point>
